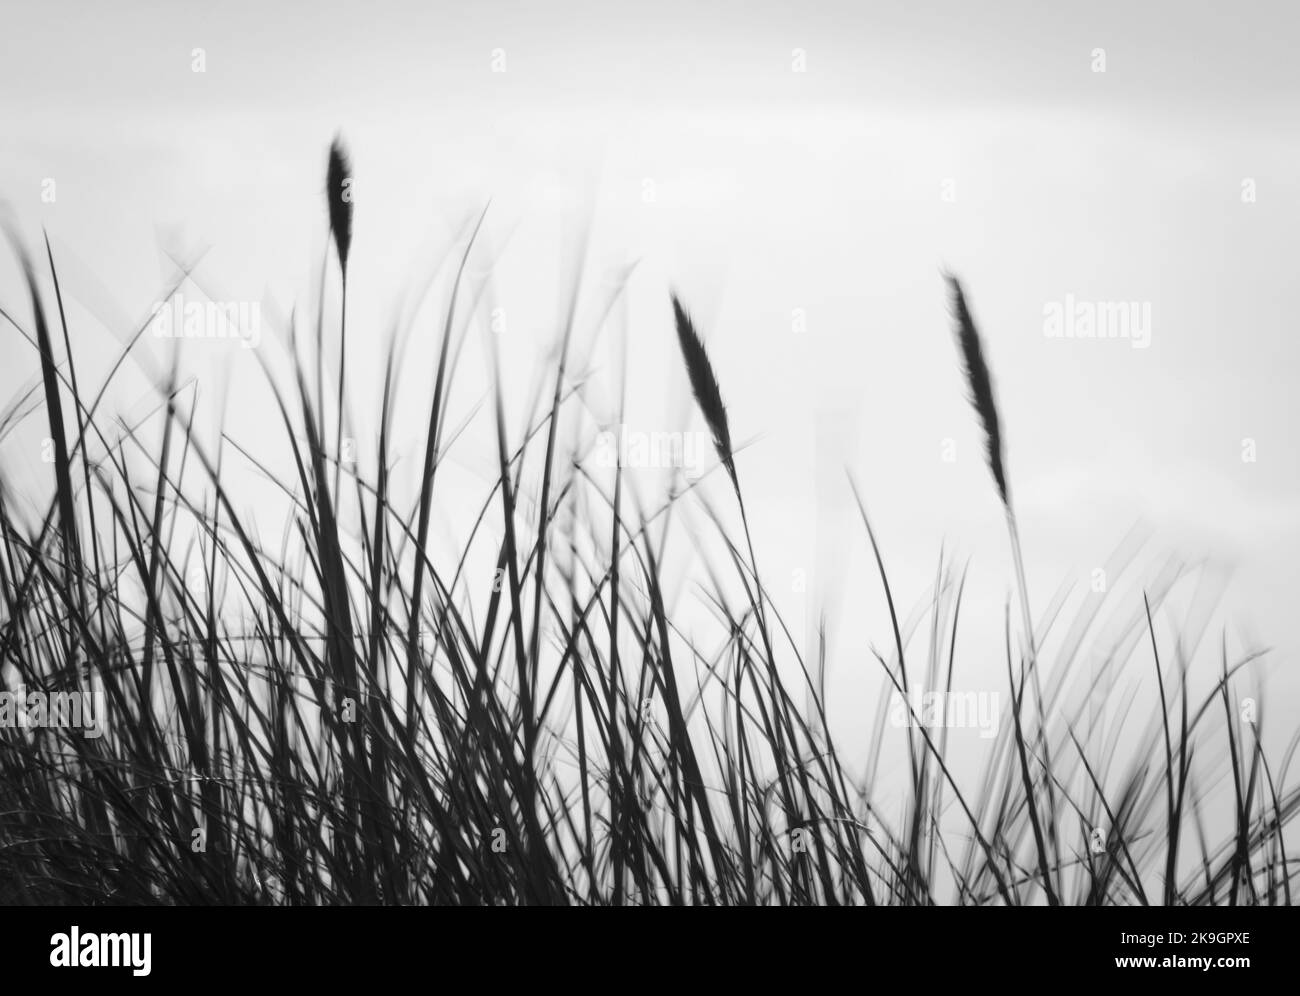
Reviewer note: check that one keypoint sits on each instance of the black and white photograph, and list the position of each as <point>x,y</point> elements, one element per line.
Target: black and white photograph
<point>572,453</point>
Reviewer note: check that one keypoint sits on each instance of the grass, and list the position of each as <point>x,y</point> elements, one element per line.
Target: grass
<point>344,719</point>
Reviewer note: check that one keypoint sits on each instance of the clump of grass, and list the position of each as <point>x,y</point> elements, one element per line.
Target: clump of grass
<point>344,717</point>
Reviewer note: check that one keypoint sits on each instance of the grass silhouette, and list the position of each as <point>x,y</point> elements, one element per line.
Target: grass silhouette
<point>358,723</point>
